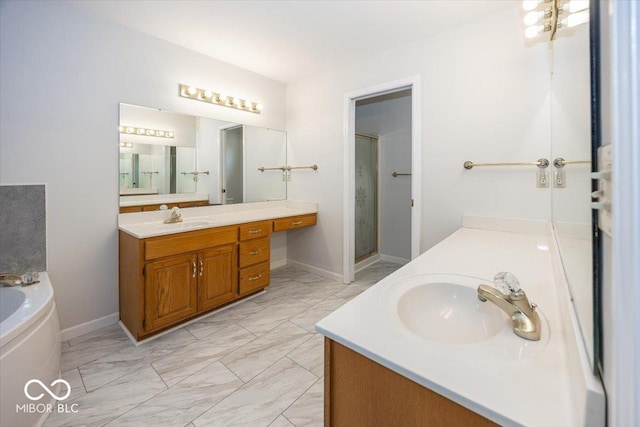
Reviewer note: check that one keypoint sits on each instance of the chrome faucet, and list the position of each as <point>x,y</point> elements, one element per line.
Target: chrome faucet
<point>512,300</point>
<point>175,216</point>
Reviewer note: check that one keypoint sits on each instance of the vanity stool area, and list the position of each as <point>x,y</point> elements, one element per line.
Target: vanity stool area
<point>173,273</point>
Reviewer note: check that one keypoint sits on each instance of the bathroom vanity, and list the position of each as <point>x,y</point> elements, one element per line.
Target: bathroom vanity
<point>419,348</point>
<point>172,273</point>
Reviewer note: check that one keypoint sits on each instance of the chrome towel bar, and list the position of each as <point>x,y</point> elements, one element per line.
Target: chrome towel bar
<point>288,168</point>
<point>541,163</point>
<point>560,162</point>
<point>396,174</point>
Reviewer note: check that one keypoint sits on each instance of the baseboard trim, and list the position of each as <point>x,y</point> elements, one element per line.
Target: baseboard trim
<point>367,262</point>
<point>90,326</point>
<point>394,259</point>
<point>278,263</point>
<point>319,271</point>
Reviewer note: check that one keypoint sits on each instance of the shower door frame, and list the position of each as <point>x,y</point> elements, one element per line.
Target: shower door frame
<point>376,141</point>
<point>348,234</point>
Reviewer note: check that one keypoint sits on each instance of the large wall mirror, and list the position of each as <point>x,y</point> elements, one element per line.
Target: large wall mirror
<point>571,184</point>
<point>164,153</point>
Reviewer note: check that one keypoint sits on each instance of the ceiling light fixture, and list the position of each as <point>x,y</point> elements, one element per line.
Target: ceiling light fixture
<point>545,16</point>
<point>130,130</point>
<point>211,97</point>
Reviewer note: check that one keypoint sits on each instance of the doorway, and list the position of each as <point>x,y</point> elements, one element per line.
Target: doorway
<point>233,165</point>
<point>408,174</point>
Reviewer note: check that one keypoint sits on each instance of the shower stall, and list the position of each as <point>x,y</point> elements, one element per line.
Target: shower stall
<point>366,197</point>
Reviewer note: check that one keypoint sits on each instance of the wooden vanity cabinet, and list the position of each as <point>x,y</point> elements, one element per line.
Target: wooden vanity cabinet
<point>155,207</point>
<point>361,392</point>
<point>254,259</point>
<point>217,277</point>
<point>166,280</point>
<point>170,291</point>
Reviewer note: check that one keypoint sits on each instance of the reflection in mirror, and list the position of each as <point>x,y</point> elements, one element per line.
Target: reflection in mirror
<point>571,141</point>
<point>197,155</point>
<point>156,169</point>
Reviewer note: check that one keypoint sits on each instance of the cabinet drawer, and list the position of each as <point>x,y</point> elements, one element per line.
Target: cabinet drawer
<point>254,251</point>
<point>162,246</point>
<point>292,222</point>
<point>255,230</point>
<point>252,278</point>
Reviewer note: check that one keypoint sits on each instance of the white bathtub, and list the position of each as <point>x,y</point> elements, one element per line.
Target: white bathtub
<point>29,349</point>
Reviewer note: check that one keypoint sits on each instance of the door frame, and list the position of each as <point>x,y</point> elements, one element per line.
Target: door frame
<point>350,98</point>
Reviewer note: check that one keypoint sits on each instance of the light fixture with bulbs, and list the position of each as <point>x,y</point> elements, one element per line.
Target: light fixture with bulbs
<point>211,97</point>
<point>131,130</point>
<point>126,145</point>
<point>550,15</point>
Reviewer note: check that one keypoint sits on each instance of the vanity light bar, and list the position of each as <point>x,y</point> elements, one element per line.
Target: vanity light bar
<point>210,97</point>
<point>572,12</point>
<point>126,145</point>
<point>131,130</point>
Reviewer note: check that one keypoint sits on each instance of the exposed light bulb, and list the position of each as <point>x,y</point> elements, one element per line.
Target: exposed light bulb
<point>160,133</point>
<point>208,94</point>
<point>577,5</point>
<point>151,132</point>
<point>259,107</point>
<point>235,101</point>
<point>533,30</point>
<point>128,145</point>
<point>192,90</point>
<point>222,98</point>
<point>120,129</point>
<point>532,17</point>
<point>140,131</point>
<point>530,4</point>
<point>169,134</point>
<point>129,130</point>
<point>122,144</point>
<point>576,19</point>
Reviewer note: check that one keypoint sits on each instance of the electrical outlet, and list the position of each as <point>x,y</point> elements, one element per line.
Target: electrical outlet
<point>559,179</point>
<point>541,179</point>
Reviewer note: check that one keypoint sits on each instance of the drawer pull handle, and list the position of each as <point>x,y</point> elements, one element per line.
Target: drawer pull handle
<point>251,279</point>
<point>254,252</point>
<point>296,223</point>
<point>193,263</point>
<point>255,231</point>
<point>201,268</point>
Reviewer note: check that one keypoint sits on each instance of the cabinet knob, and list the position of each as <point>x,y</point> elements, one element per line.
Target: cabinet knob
<point>193,263</point>
<point>201,267</point>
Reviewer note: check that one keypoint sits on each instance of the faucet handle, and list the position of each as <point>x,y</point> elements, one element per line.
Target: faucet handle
<point>506,282</point>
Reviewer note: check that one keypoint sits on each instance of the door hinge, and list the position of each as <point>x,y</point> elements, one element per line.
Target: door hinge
<point>144,269</point>
<point>411,202</point>
<point>144,323</point>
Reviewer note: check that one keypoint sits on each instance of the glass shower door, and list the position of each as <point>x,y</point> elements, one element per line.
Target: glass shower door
<point>366,203</point>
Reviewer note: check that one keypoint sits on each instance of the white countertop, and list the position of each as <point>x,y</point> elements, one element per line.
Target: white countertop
<point>150,224</point>
<point>155,199</point>
<point>507,379</point>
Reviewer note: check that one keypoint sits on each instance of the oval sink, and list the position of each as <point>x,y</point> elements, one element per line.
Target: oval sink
<point>449,313</point>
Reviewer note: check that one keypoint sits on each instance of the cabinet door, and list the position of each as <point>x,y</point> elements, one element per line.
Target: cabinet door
<point>217,276</point>
<point>170,290</point>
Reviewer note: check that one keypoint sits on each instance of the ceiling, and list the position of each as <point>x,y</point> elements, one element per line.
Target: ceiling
<point>286,40</point>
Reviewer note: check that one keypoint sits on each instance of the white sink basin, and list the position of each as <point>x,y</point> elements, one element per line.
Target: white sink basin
<point>449,313</point>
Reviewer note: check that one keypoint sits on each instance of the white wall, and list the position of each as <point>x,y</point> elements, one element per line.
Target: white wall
<point>63,74</point>
<point>390,119</point>
<point>264,148</point>
<point>485,98</point>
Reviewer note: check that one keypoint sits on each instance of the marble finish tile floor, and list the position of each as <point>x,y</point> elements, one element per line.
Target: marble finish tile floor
<point>259,363</point>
